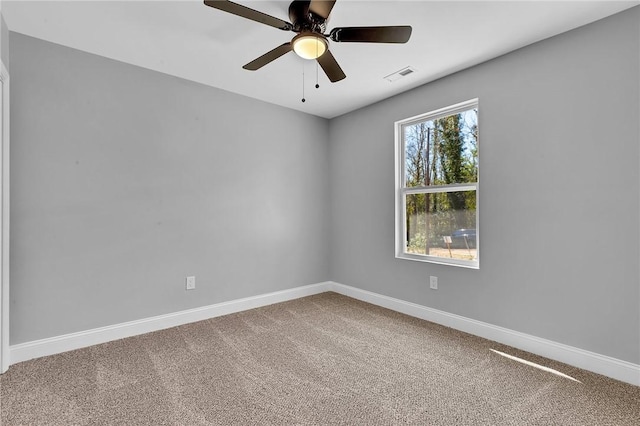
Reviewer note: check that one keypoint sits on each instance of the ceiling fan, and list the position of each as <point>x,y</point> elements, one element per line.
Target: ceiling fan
<point>309,19</point>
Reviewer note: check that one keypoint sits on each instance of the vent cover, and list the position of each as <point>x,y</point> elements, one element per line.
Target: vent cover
<point>399,74</point>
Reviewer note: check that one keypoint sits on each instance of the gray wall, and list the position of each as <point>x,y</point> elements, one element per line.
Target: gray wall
<point>559,192</point>
<point>124,181</point>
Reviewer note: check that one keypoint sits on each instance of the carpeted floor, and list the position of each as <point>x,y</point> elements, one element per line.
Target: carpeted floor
<point>324,359</point>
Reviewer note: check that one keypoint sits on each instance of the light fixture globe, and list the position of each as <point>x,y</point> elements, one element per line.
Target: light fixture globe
<point>309,45</point>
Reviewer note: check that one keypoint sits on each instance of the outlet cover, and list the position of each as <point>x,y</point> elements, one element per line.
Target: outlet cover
<point>433,282</point>
<point>191,283</point>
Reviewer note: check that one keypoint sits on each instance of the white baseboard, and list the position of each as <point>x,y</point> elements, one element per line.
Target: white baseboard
<point>601,364</point>
<point>591,361</point>
<point>67,342</point>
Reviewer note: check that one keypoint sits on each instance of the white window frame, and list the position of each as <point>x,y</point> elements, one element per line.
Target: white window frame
<point>4,219</point>
<point>402,191</point>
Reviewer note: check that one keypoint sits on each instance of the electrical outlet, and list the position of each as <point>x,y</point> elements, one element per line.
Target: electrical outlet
<point>191,283</point>
<point>433,282</point>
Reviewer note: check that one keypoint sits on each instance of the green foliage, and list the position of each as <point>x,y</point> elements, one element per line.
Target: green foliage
<point>417,243</point>
<point>426,229</point>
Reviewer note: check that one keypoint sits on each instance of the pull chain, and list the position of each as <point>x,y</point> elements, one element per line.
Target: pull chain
<point>317,85</point>
<point>303,99</point>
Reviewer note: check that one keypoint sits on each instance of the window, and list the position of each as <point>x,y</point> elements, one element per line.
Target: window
<point>437,186</point>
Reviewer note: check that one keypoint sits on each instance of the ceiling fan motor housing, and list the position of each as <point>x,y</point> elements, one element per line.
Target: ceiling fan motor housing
<point>303,19</point>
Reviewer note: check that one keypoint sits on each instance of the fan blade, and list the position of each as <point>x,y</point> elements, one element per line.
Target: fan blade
<point>330,67</point>
<point>272,55</point>
<point>399,34</point>
<point>245,12</point>
<point>321,8</point>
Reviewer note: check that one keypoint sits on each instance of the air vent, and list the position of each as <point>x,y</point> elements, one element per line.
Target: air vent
<point>399,74</point>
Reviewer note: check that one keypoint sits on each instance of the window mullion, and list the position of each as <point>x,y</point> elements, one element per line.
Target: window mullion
<point>440,188</point>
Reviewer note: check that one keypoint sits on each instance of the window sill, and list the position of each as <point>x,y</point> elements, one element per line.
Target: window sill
<point>470,264</point>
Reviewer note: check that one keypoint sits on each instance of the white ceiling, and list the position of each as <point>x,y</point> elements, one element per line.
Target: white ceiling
<point>192,41</point>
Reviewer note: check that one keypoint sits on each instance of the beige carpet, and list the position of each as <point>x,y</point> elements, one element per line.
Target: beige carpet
<point>324,359</point>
